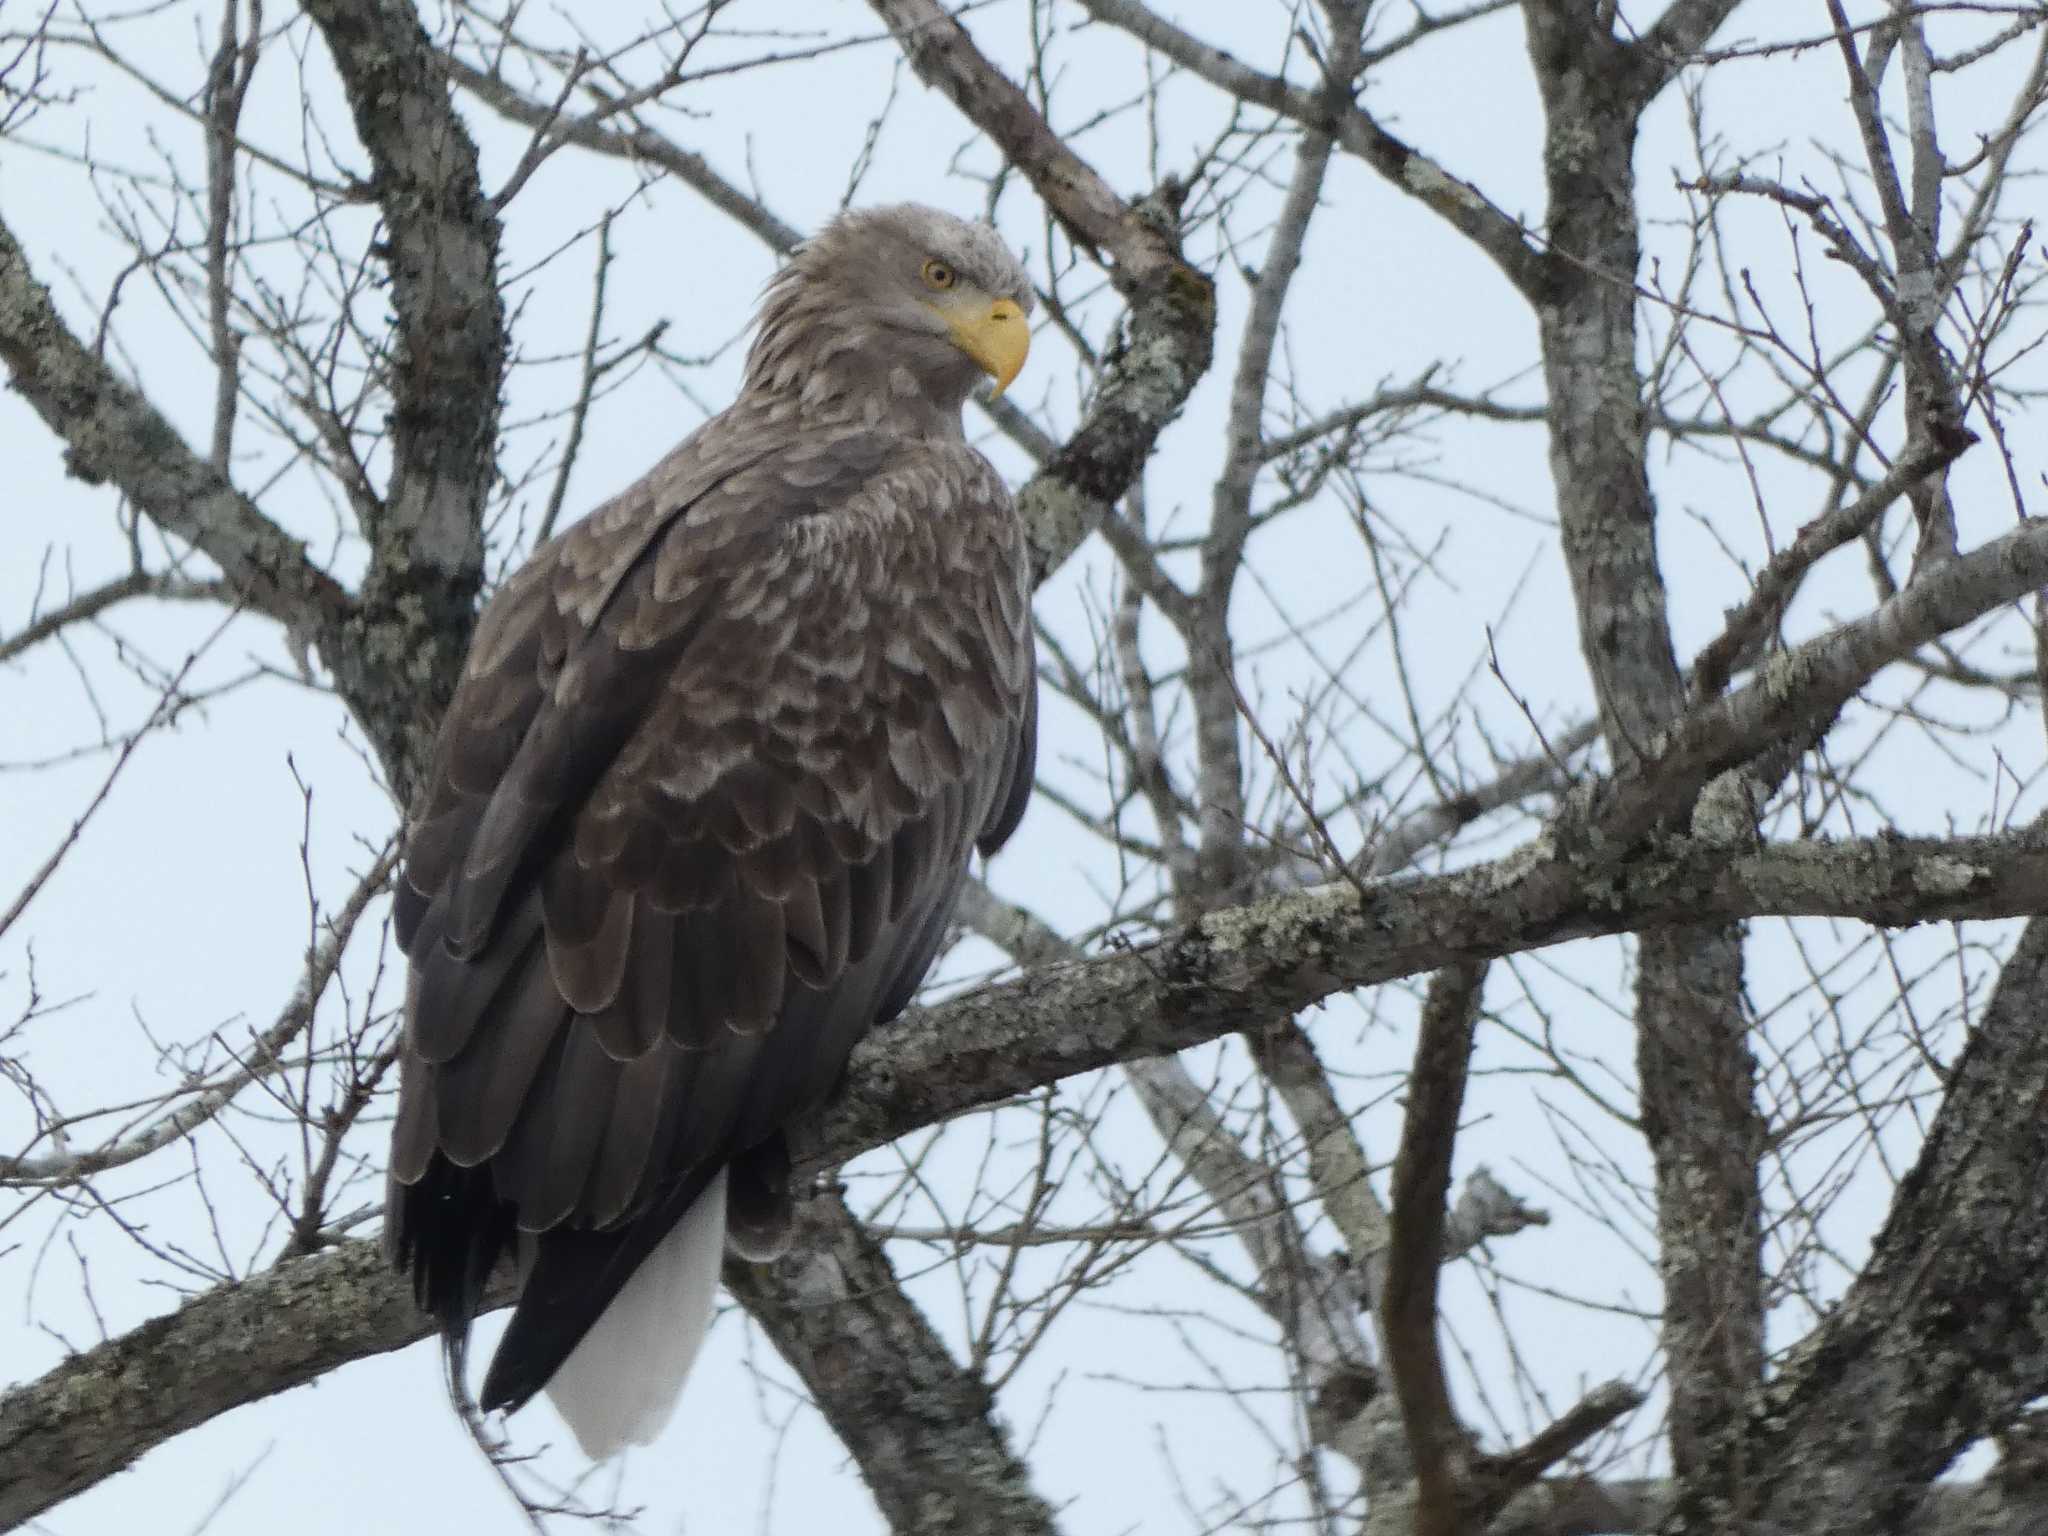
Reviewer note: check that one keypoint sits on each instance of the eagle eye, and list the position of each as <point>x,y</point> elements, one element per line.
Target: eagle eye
<point>938,275</point>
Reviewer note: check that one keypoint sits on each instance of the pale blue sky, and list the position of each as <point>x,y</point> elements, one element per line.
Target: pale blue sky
<point>183,910</point>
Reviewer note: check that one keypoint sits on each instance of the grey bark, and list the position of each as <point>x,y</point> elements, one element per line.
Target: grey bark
<point>923,1429</point>
<point>114,436</point>
<point>100,1410</point>
<point>92,1415</point>
<point>394,647</point>
<point>417,604</point>
<point>1945,1333</point>
<point>1696,1076</point>
<point>1408,1299</point>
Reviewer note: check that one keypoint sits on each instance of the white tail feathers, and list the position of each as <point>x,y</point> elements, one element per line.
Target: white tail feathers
<point>620,1384</point>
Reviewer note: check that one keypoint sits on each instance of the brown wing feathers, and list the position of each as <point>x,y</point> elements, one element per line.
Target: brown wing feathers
<point>683,844</point>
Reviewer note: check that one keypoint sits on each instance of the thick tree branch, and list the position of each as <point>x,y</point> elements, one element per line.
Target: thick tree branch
<point>99,1411</point>
<point>441,250</point>
<point>1498,1479</point>
<point>1598,420</point>
<point>1797,694</point>
<point>1422,1178</point>
<point>1775,585</point>
<point>1944,1336</point>
<point>1164,349</point>
<point>1590,874</point>
<point>1696,1074</point>
<point>1584,1506</point>
<point>1338,1167</point>
<point>921,1426</point>
<point>288,1325</point>
<point>442,253</point>
<point>113,435</point>
<point>1454,1489</point>
<point>1672,42</point>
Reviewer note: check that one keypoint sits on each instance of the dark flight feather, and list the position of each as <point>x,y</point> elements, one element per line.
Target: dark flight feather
<point>701,807</point>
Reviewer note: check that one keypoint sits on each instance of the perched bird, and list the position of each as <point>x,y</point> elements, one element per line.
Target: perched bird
<point>698,816</point>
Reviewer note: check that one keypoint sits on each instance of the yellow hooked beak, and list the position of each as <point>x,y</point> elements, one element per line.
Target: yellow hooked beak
<point>994,335</point>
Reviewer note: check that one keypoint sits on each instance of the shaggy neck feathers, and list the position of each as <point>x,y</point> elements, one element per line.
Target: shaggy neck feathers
<point>827,356</point>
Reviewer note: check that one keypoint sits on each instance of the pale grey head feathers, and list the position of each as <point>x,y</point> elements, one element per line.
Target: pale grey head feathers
<point>881,289</point>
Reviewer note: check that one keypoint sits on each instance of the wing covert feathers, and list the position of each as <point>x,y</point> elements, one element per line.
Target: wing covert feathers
<point>697,819</point>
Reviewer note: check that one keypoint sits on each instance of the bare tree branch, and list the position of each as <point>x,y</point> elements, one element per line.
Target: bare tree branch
<point>641,145</point>
<point>1674,41</point>
<point>1694,1065</point>
<point>1408,1306</point>
<point>87,606</point>
<point>114,436</point>
<point>1901,1377</point>
<point>259,1058</point>
<point>426,547</point>
<point>237,1345</point>
<point>1457,201</point>
<point>922,1427</point>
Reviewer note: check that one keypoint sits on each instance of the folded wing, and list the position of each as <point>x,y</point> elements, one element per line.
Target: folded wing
<point>699,815</point>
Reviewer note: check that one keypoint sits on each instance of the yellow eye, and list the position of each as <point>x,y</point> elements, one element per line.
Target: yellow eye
<point>938,275</point>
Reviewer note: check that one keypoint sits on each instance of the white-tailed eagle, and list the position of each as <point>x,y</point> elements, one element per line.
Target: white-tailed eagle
<point>698,816</point>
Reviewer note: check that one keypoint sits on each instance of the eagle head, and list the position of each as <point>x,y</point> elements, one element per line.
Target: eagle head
<point>927,301</point>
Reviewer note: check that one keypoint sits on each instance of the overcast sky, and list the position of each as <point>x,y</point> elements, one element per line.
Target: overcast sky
<point>184,909</point>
